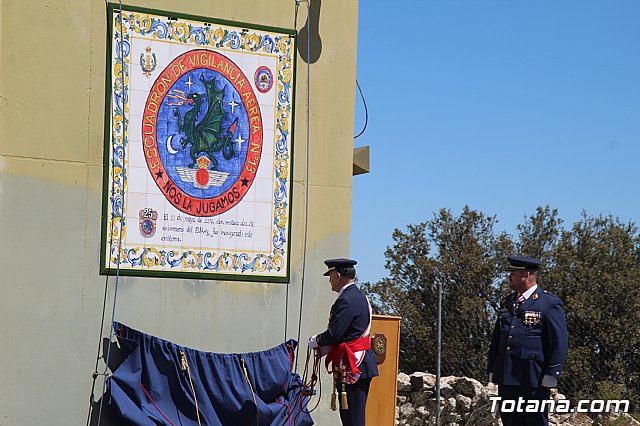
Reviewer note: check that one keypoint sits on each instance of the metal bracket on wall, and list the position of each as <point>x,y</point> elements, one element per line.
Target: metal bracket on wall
<point>361,160</point>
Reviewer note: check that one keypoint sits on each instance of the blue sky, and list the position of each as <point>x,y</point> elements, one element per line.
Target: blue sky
<point>502,105</point>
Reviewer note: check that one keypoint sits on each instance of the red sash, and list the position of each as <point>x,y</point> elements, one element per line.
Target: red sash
<point>344,355</point>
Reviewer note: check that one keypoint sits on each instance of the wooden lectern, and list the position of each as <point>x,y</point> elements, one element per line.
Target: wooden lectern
<point>385,342</point>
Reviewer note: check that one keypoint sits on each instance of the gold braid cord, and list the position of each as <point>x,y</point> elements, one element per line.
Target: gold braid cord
<point>344,405</point>
<point>246,375</point>
<point>185,367</point>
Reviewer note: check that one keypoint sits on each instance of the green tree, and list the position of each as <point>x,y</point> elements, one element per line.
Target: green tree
<point>596,271</point>
<point>538,236</point>
<point>466,262</point>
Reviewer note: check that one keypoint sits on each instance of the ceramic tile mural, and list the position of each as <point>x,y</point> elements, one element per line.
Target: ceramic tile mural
<point>198,148</point>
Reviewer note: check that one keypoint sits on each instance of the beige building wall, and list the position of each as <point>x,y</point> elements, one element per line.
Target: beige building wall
<point>52,97</point>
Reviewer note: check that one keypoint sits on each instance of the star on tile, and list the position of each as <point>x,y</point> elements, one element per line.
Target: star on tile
<point>233,104</point>
<point>159,174</point>
<point>240,141</point>
<point>245,181</point>
<point>189,83</point>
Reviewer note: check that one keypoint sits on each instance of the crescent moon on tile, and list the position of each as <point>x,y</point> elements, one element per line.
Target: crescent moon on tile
<point>169,147</point>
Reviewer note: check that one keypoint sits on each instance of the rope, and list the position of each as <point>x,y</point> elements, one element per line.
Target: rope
<point>308,387</point>
<point>246,375</point>
<point>306,201</point>
<point>95,369</point>
<point>115,294</point>
<point>315,371</point>
<point>185,366</point>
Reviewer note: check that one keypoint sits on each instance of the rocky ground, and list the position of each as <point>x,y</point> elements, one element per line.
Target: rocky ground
<point>466,401</point>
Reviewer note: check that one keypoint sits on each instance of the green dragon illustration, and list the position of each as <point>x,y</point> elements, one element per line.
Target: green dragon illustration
<point>207,136</point>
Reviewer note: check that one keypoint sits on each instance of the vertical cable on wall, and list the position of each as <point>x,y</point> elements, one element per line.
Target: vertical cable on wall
<point>119,51</point>
<point>306,203</point>
<point>124,134</point>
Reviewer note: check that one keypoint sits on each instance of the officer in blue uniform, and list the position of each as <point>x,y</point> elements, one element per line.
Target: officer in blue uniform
<point>349,325</point>
<point>529,343</point>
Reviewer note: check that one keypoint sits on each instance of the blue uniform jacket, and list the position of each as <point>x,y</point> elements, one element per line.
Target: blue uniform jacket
<point>529,342</point>
<point>348,320</point>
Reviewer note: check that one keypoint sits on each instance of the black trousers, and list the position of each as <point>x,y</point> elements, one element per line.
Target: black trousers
<point>528,394</point>
<point>357,400</point>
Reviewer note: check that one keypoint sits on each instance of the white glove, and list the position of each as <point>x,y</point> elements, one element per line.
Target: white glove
<point>490,377</point>
<point>312,342</point>
<point>549,381</point>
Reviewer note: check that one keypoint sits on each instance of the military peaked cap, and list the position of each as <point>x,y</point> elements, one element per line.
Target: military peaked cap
<point>522,263</point>
<point>340,263</point>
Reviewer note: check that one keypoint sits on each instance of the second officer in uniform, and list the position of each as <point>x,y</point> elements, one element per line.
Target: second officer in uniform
<point>529,343</point>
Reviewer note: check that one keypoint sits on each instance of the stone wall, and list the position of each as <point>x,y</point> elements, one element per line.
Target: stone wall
<point>465,401</point>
